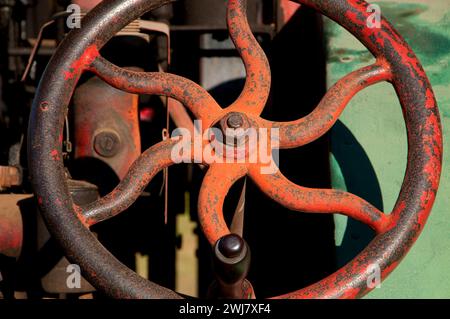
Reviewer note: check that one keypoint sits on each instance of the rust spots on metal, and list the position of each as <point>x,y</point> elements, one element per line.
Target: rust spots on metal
<point>190,94</point>
<point>57,85</point>
<point>132,185</point>
<point>55,155</point>
<point>303,199</point>
<point>114,139</point>
<point>79,213</point>
<point>424,158</point>
<point>44,106</point>
<point>258,81</point>
<point>325,115</point>
<point>216,184</point>
<point>395,62</point>
<point>58,202</point>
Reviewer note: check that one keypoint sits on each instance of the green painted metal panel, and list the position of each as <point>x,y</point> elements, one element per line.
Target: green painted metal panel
<point>369,146</point>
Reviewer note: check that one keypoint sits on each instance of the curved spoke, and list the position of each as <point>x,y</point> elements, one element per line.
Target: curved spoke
<point>310,200</point>
<point>257,84</point>
<point>216,185</point>
<point>325,115</point>
<point>130,188</point>
<point>189,93</point>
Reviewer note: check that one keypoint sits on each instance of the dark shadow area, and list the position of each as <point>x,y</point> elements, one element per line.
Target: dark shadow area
<point>360,179</point>
<point>7,270</point>
<point>95,171</point>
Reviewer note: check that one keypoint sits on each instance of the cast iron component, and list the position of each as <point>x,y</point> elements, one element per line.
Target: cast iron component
<point>86,5</point>
<point>231,262</point>
<point>235,120</point>
<point>113,139</point>
<point>107,143</point>
<point>395,63</point>
<point>234,127</point>
<point>55,280</point>
<point>230,246</point>
<point>231,259</point>
<point>11,224</point>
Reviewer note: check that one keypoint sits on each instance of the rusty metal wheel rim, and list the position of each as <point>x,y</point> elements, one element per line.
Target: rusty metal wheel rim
<point>396,63</point>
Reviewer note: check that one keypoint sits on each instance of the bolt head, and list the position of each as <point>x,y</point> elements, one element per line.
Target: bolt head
<point>107,143</point>
<point>235,121</point>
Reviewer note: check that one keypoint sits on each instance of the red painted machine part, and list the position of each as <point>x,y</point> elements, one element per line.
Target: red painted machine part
<point>86,5</point>
<point>288,9</point>
<point>100,110</point>
<point>395,63</point>
<point>11,224</point>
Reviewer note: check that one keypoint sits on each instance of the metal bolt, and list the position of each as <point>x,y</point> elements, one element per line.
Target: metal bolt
<point>235,121</point>
<point>107,143</point>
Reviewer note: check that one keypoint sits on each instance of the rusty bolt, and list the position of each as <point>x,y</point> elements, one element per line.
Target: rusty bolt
<point>234,125</point>
<point>107,143</point>
<point>235,120</point>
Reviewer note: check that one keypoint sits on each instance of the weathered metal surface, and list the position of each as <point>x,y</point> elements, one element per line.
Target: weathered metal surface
<point>194,97</point>
<point>298,198</point>
<point>55,280</point>
<point>395,63</point>
<point>114,139</point>
<point>257,83</point>
<point>151,162</point>
<point>45,151</point>
<point>325,115</point>
<point>424,158</point>
<point>374,125</point>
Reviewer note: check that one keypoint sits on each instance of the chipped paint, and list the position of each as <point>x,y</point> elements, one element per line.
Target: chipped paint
<point>395,63</point>
<point>81,64</point>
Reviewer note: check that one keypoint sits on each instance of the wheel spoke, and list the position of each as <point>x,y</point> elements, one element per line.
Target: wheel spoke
<point>189,93</point>
<point>310,200</point>
<point>325,115</point>
<point>257,84</point>
<point>216,185</point>
<point>130,188</point>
